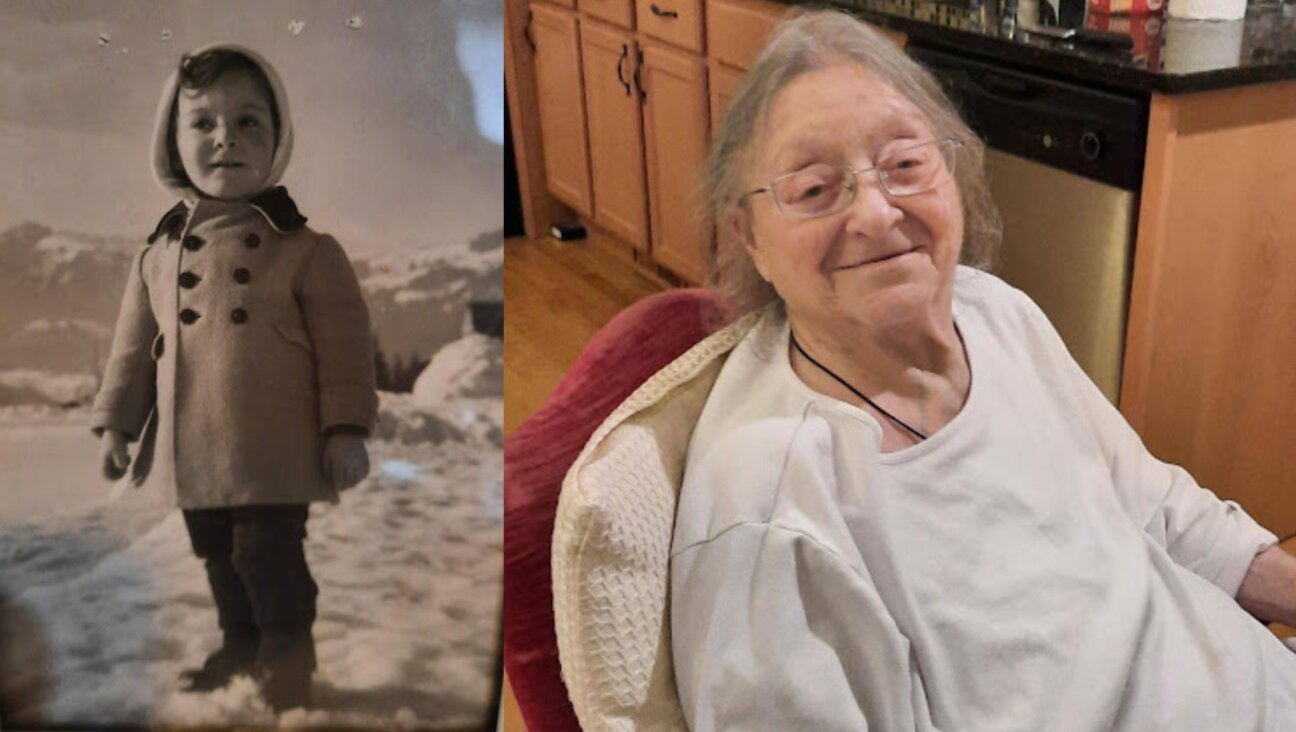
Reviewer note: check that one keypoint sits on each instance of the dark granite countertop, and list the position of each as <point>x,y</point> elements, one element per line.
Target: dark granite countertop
<point>1170,55</point>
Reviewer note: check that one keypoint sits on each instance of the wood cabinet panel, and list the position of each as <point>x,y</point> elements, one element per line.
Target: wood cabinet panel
<point>675,126</point>
<point>561,96</point>
<point>617,12</point>
<point>674,21</point>
<point>737,30</point>
<point>1208,376</point>
<point>724,83</point>
<point>615,132</point>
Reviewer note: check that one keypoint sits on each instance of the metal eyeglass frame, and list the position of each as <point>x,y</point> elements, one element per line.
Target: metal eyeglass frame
<point>852,181</point>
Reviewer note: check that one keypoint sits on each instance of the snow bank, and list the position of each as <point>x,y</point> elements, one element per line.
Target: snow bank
<point>27,386</point>
<point>471,367</point>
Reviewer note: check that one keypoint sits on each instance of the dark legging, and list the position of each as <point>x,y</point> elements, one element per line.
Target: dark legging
<point>263,589</point>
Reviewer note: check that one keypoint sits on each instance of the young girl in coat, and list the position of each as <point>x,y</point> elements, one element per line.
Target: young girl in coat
<point>242,362</point>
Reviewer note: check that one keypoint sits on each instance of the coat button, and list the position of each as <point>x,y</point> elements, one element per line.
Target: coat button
<point>239,315</point>
<point>188,316</point>
<point>252,240</point>
<point>242,275</point>
<point>193,243</point>
<point>189,280</point>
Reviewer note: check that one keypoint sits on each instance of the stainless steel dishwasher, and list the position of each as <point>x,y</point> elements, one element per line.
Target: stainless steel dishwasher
<point>1065,164</point>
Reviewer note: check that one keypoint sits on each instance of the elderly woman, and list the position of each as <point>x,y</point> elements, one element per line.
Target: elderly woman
<point>905,506</point>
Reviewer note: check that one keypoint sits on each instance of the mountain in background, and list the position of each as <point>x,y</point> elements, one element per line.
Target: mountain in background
<point>418,299</point>
<point>60,292</point>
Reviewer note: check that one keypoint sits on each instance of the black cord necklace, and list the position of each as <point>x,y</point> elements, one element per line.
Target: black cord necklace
<point>853,390</point>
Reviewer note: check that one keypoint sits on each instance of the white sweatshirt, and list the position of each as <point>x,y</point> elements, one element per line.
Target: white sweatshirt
<point>1028,567</point>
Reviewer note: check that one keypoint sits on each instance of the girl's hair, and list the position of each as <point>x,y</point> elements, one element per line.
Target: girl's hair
<point>203,70</point>
<point>803,44</point>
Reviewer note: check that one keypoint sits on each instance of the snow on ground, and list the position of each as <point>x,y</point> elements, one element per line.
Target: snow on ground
<point>103,605</point>
<point>50,461</point>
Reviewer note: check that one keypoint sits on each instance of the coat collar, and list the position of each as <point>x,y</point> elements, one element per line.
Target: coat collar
<point>275,205</point>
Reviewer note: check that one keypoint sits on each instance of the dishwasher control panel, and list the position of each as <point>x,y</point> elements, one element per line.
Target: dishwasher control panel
<point>1091,132</point>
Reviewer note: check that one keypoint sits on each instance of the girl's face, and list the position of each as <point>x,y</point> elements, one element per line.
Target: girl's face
<point>882,258</point>
<point>226,136</point>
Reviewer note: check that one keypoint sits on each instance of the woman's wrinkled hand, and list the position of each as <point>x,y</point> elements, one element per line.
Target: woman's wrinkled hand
<point>112,454</point>
<point>346,461</point>
<point>1268,590</point>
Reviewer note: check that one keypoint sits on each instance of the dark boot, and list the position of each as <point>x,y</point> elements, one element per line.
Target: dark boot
<point>237,655</point>
<point>284,667</point>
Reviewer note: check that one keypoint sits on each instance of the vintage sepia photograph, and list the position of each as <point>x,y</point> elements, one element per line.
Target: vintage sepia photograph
<point>251,364</point>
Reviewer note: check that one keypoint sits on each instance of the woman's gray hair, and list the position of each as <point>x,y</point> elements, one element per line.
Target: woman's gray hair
<point>811,42</point>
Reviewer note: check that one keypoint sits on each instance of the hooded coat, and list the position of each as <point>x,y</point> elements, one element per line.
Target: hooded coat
<point>243,340</point>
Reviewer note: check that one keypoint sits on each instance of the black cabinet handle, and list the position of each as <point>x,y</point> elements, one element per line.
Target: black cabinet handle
<point>643,93</point>
<point>526,31</point>
<point>663,13</point>
<point>625,51</point>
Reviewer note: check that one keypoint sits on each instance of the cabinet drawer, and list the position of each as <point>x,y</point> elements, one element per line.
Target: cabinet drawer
<point>738,29</point>
<point>563,3</point>
<point>617,12</point>
<point>674,21</point>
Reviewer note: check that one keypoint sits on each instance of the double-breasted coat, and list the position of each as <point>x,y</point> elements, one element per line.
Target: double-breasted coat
<point>243,339</point>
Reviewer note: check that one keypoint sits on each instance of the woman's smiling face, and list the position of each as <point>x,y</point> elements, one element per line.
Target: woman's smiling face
<point>882,259</point>
<point>226,137</point>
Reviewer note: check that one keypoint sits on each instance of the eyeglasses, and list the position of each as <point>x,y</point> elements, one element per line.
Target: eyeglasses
<point>822,189</point>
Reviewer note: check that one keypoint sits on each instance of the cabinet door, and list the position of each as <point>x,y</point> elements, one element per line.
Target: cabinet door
<point>615,132</point>
<point>724,85</point>
<point>737,30</point>
<point>562,106</point>
<point>675,126</point>
<point>1209,379</point>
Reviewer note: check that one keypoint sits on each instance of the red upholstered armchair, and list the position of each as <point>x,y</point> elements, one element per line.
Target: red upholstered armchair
<point>637,343</point>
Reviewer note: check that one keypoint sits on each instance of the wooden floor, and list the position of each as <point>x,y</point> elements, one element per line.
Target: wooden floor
<point>556,296</point>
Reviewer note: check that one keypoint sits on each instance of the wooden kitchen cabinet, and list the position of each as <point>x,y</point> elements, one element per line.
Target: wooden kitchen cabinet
<point>617,12</point>
<point>616,144</point>
<point>737,30</point>
<point>628,103</point>
<point>1210,352</point>
<point>561,93</point>
<point>675,131</point>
